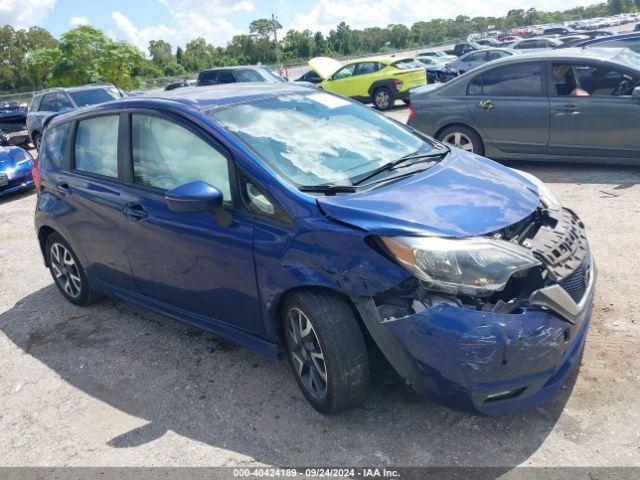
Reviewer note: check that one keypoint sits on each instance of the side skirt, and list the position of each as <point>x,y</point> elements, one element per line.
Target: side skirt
<point>208,324</point>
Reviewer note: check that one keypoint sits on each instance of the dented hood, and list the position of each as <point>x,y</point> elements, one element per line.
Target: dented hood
<point>462,196</point>
<point>324,66</point>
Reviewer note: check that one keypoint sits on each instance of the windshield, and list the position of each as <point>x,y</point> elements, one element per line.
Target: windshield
<point>629,58</point>
<point>94,96</point>
<point>318,138</point>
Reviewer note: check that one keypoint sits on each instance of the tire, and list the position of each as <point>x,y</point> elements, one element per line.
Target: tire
<point>462,137</point>
<point>37,141</point>
<point>383,99</point>
<point>334,344</point>
<point>67,272</point>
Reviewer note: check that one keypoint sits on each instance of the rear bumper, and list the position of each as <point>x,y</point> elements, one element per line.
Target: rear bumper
<point>492,363</point>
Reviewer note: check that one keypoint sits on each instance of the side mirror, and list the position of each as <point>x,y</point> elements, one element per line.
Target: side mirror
<point>636,93</point>
<point>198,197</point>
<point>194,197</point>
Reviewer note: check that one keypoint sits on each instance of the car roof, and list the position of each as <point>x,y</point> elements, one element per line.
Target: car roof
<point>236,67</point>
<point>78,88</point>
<point>382,59</point>
<point>609,38</point>
<point>196,98</point>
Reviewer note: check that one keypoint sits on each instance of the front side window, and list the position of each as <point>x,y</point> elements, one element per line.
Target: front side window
<point>48,103</point>
<point>475,57</point>
<point>54,145</point>
<point>344,72</point>
<point>96,148</point>
<point>591,80</point>
<point>249,75</point>
<point>166,156</point>
<point>316,138</point>
<point>496,54</point>
<point>521,80</point>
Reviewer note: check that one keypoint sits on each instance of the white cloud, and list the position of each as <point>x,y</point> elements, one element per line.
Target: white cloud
<point>24,13</point>
<point>193,18</point>
<point>77,21</point>
<point>326,14</point>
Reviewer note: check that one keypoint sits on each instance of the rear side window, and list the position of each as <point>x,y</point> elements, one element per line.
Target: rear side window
<point>166,156</point>
<point>522,80</point>
<point>96,148</point>
<point>226,77</point>
<point>54,145</point>
<point>94,96</point>
<point>248,75</point>
<point>365,68</point>
<point>63,102</point>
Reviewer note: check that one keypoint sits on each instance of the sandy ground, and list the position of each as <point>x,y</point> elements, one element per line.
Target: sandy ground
<point>113,385</point>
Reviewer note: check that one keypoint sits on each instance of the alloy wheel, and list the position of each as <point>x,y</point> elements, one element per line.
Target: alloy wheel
<point>383,99</point>
<point>65,270</point>
<point>306,354</point>
<point>460,140</point>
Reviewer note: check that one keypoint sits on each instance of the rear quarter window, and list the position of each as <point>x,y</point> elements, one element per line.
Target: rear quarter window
<point>54,147</point>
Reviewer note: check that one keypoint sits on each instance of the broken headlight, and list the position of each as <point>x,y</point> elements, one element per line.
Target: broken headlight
<point>473,266</point>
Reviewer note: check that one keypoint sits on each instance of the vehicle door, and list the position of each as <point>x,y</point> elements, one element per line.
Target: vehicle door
<point>191,261</point>
<point>510,106</point>
<point>592,111</point>
<point>365,74</point>
<point>342,81</point>
<point>87,186</point>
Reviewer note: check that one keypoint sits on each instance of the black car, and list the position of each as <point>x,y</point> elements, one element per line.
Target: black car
<point>219,76</point>
<point>13,118</point>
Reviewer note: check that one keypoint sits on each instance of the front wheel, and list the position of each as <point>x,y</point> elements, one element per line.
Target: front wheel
<point>383,99</point>
<point>326,350</point>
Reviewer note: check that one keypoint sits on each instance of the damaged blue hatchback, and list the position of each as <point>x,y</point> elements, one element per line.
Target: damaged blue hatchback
<point>299,223</point>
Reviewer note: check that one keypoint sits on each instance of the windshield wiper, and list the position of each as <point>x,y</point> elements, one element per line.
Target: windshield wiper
<point>396,163</point>
<point>328,189</point>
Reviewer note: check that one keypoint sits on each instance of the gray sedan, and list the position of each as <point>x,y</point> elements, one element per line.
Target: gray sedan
<point>472,60</point>
<point>568,105</point>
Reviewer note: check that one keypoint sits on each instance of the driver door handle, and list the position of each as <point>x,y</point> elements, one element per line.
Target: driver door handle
<point>135,211</point>
<point>63,189</point>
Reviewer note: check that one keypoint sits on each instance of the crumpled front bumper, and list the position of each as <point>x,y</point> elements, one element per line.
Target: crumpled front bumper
<point>493,363</point>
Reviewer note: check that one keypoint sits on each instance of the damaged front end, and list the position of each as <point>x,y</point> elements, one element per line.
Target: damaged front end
<point>492,347</point>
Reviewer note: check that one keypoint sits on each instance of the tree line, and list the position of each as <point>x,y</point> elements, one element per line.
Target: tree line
<point>33,59</point>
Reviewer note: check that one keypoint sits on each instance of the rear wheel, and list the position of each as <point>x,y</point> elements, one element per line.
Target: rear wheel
<point>326,350</point>
<point>383,99</point>
<point>67,272</point>
<point>462,137</point>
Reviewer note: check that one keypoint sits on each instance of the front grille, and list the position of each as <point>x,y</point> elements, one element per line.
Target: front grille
<point>576,283</point>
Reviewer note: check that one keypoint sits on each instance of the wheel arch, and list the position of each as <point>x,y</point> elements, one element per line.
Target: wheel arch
<point>43,234</point>
<point>455,124</point>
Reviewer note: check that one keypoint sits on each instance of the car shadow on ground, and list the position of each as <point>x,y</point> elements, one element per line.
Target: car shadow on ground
<point>180,379</point>
<point>554,172</point>
<point>12,197</point>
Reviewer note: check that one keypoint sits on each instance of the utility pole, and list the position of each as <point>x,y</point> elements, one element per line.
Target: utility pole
<point>274,21</point>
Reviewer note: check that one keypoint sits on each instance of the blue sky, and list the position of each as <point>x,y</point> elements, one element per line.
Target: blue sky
<point>178,21</point>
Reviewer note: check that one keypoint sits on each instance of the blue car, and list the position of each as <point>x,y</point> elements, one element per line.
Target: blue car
<point>15,170</point>
<point>302,224</point>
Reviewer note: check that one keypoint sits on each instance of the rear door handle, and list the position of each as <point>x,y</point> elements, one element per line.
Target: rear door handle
<point>63,189</point>
<point>135,211</point>
<point>569,106</point>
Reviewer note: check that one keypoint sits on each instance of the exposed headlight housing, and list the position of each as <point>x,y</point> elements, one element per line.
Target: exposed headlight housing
<point>546,195</point>
<point>474,266</point>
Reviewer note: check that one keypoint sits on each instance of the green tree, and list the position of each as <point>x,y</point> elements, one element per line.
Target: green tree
<point>263,28</point>
<point>160,52</point>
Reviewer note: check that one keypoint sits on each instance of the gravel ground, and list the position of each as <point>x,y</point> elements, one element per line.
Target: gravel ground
<point>113,385</point>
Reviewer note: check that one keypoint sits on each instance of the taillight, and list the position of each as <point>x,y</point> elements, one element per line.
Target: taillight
<point>398,83</point>
<point>35,174</point>
<point>412,111</point>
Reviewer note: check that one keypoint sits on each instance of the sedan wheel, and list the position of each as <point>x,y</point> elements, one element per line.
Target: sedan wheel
<point>460,140</point>
<point>306,353</point>
<point>382,99</point>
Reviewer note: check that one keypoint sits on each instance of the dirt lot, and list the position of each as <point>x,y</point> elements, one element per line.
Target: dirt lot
<point>113,385</point>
